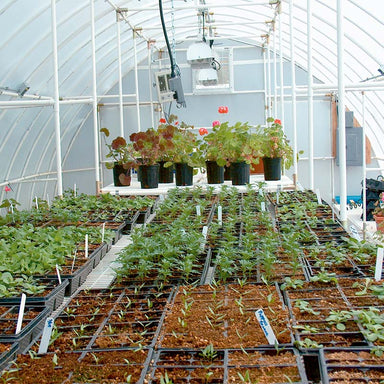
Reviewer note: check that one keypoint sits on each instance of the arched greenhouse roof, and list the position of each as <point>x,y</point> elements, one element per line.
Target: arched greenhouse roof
<point>27,30</point>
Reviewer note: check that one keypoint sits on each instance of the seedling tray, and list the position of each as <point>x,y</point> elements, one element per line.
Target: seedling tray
<point>34,319</point>
<point>227,365</point>
<point>347,365</point>
<point>51,300</point>
<point>8,354</point>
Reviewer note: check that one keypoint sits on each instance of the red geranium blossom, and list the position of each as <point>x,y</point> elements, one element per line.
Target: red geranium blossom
<point>162,121</point>
<point>216,122</point>
<point>203,131</point>
<point>277,121</point>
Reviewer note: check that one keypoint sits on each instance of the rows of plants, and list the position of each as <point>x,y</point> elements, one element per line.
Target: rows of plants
<point>190,287</point>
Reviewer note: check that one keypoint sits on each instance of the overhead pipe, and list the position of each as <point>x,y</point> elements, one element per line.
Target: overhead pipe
<point>310,95</point>
<point>341,112</point>
<point>94,100</point>
<point>56,107</point>
<point>136,82</point>
<point>269,81</point>
<point>150,50</point>
<point>293,93</point>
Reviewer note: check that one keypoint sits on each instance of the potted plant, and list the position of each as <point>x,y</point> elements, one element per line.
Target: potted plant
<point>275,150</point>
<point>213,148</point>
<point>185,154</point>
<point>166,130</point>
<point>146,146</point>
<point>243,148</point>
<point>121,153</point>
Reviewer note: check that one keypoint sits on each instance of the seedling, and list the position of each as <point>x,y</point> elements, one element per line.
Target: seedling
<point>339,318</point>
<point>246,378</point>
<point>308,343</point>
<point>306,329</point>
<point>304,306</point>
<point>292,283</point>
<point>165,379</point>
<point>209,353</point>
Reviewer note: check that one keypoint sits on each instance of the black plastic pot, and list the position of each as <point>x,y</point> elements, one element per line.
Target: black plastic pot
<point>149,176</point>
<point>272,168</point>
<point>165,174</point>
<point>215,173</point>
<point>240,173</point>
<point>184,174</point>
<point>121,176</point>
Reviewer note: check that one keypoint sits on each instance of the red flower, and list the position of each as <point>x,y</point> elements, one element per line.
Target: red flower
<point>216,122</point>
<point>7,189</point>
<point>277,121</point>
<point>162,120</point>
<point>203,131</point>
<point>223,109</point>
<point>176,123</point>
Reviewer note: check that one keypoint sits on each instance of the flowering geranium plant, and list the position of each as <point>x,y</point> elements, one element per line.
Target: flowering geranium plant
<point>275,143</point>
<point>119,150</point>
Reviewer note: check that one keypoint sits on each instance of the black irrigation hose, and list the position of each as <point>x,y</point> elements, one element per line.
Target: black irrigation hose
<point>166,38</point>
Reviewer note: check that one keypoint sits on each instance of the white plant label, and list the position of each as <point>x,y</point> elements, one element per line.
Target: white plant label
<point>263,206</point>
<point>86,246</point>
<point>45,339</point>
<point>220,215</point>
<point>355,233</point>
<point>277,197</point>
<point>102,233</point>
<point>261,192</point>
<point>21,313</point>
<point>198,210</point>
<point>36,203</point>
<point>48,203</point>
<point>379,263</point>
<point>11,208</point>
<point>117,192</point>
<point>266,327</point>
<point>205,231</point>
<point>318,197</point>
<point>74,190</point>
<point>58,274</point>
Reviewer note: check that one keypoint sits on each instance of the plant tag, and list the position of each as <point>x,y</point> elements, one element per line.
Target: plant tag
<point>379,263</point>
<point>266,327</point>
<point>205,231</point>
<point>198,210</point>
<point>11,208</point>
<point>220,215</point>
<point>36,203</point>
<point>74,190</point>
<point>48,203</point>
<point>21,313</point>
<point>263,206</point>
<point>277,197</point>
<point>355,233</point>
<point>86,246</point>
<point>45,339</point>
<point>117,192</point>
<point>102,233</point>
<point>261,193</point>
<point>279,188</point>
<point>161,197</point>
<point>319,201</point>
<point>58,274</point>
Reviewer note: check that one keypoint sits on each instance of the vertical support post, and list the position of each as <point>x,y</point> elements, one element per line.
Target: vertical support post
<point>150,50</point>
<point>282,115</point>
<point>94,97</point>
<point>364,169</point>
<point>269,80</point>
<point>341,113</point>
<point>274,73</point>
<point>120,74</point>
<point>310,95</point>
<point>136,82</point>
<point>266,102</point>
<point>56,106</point>
<point>293,93</point>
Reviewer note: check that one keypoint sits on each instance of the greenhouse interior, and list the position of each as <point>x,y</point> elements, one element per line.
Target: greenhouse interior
<point>191,191</point>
